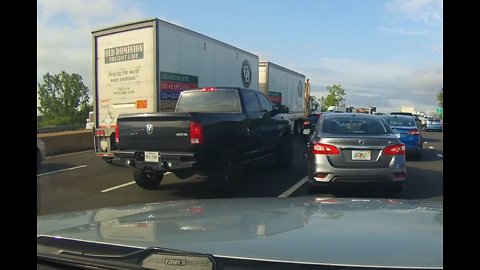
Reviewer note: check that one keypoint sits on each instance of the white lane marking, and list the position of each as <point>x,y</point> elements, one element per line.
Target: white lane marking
<point>69,154</point>
<point>425,142</point>
<point>120,186</point>
<point>430,147</point>
<point>293,188</point>
<point>440,155</point>
<point>117,187</point>
<point>64,170</point>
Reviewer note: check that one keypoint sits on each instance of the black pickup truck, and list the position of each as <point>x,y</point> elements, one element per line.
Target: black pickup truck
<point>213,132</point>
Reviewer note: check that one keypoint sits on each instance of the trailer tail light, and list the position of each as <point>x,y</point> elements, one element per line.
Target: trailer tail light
<point>209,89</point>
<point>117,134</point>
<point>196,133</point>
<point>100,132</point>
<point>414,132</point>
<point>325,149</point>
<point>397,149</point>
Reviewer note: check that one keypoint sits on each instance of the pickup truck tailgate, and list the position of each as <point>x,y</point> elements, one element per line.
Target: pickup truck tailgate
<point>155,132</point>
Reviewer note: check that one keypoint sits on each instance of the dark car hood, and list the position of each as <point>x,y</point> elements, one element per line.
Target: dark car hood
<point>366,232</point>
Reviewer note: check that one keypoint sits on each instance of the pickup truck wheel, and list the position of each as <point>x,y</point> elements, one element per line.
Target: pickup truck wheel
<point>227,174</point>
<point>183,174</point>
<point>285,153</point>
<point>147,179</point>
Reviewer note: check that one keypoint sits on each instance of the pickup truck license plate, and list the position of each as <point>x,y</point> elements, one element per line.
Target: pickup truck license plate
<point>361,155</point>
<point>151,156</point>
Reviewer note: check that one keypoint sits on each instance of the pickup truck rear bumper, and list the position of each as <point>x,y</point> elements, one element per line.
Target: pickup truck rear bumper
<point>167,161</point>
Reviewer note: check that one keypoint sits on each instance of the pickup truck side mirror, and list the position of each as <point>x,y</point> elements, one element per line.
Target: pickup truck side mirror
<point>281,109</point>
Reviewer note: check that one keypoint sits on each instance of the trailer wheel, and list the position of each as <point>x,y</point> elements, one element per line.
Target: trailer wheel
<point>147,178</point>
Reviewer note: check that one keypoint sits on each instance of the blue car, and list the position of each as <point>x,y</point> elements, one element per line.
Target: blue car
<point>433,123</point>
<point>409,133</point>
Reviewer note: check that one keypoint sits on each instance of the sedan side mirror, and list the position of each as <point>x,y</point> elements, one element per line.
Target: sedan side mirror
<point>397,133</point>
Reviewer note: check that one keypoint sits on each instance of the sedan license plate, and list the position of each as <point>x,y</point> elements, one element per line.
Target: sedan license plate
<point>151,156</point>
<point>361,155</point>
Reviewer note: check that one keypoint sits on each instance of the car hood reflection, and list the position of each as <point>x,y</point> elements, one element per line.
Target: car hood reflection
<point>379,232</point>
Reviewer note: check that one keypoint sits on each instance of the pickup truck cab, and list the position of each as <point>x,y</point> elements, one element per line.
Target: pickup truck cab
<point>213,131</point>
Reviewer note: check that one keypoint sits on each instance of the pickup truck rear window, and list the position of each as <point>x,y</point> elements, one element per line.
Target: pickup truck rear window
<point>209,101</point>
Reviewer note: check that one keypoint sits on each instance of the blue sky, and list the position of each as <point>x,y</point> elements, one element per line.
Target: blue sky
<point>384,53</point>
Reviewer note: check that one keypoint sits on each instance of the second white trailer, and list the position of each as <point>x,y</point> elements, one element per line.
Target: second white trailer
<point>284,87</point>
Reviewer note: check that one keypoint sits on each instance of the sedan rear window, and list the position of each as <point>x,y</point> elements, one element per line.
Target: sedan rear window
<point>353,125</point>
<point>400,121</point>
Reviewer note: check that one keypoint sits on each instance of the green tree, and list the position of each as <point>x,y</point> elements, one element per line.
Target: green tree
<point>440,98</point>
<point>63,99</point>
<point>321,104</point>
<point>336,95</point>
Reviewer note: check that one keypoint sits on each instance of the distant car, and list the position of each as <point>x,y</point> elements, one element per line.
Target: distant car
<point>433,123</point>
<point>409,133</point>
<point>354,148</point>
<point>402,113</point>
<point>40,152</point>
<point>418,121</point>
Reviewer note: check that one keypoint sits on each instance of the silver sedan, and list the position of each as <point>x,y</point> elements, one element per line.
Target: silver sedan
<point>353,148</point>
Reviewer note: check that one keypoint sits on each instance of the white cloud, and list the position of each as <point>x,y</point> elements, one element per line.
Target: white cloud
<point>427,11</point>
<point>374,84</point>
<point>400,31</point>
<point>64,29</point>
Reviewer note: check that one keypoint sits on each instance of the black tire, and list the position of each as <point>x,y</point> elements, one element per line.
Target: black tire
<point>227,173</point>
<point>183,174</point>
<point>107,159</point>
<point>147,179</point>
<point>285,153</point>
<point>418,156</point>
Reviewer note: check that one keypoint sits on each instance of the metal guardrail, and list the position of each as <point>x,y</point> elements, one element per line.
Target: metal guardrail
<point>61,128</point>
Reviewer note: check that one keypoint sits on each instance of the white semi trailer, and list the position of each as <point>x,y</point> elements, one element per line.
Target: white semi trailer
<point>141,67</point>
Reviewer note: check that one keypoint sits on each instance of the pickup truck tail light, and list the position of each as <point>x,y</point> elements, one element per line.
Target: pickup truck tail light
<point>196,133</point>
<point>117,134</point>
<point>397,149</point>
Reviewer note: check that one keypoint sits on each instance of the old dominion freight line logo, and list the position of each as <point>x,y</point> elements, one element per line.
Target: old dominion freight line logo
<point>246,74</point>
<point>124,53</point>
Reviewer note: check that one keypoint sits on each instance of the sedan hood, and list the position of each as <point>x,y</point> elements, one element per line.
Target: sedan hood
<point>312,230</point>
